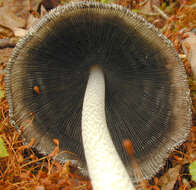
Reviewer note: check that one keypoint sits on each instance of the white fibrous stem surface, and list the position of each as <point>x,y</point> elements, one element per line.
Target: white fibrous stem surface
<point>105,167</point>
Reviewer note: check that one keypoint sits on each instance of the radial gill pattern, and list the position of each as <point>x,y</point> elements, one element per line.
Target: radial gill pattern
<point>147,97</point>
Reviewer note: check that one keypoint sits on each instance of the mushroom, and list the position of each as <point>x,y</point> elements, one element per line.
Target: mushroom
<point>94,74</point>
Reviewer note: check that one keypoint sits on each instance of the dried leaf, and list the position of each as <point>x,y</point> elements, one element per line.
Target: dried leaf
<point>189,47</point>
<point>9,19</point>
<point>31,20</point>
<point>5,32</point>
<point>18,8</point>
<point>7,42</point>
<point>15,14</point>
<point>19,32</point>
<point>169,179</point>
<point>43,11</point>
<point>186,183</point>
<point>34,4</point>
<point>40,187</point>
<point>148,6</point>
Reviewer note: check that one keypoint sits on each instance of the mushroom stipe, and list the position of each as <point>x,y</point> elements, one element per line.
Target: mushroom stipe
<point>147,99</point>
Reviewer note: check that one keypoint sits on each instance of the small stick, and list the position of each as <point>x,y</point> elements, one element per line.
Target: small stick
<point>143,3</point>
<point>182,56</point>
<point>6,42</point>
<point>160,12</point>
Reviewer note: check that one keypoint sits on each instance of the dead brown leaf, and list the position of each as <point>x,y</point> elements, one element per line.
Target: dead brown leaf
<point>34,4</point>
<point>31,20</point>
<point>43,11</point>
<point>169,179</point>
<point>6,42</point>
<point>18,8</point>
<point>16,15</point>
<point>5,32</point>
<point>189,47</point>
<point>19,32</point>
<point>4,56</point>
<point>148,6</point>
<point>9,19</point>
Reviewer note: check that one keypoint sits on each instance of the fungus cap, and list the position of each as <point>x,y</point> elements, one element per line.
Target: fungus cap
<point>147,98</point>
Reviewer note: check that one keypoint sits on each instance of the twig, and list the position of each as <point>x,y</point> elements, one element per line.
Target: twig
<point>148,13</point>
<point>190,6</point>
<point>193,5</point>
<point>143,3</point>
<point>6,42</point>
<point>182,56</point>
<point>160,12</point>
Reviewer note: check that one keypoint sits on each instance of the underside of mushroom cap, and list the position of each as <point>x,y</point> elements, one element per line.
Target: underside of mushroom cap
<point>147,95</point>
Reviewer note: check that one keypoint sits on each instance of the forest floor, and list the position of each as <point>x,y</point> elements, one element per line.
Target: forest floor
<point>23,169</point>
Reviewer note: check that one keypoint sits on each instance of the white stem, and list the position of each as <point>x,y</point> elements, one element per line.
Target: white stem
<point>105,167</point>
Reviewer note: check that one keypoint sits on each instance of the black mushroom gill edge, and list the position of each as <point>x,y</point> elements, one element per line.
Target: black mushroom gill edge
<point>55,13</point>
